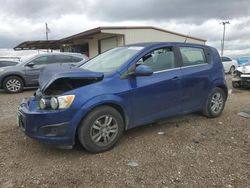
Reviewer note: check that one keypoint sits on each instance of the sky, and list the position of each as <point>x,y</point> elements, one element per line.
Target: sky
<point>23,20</point>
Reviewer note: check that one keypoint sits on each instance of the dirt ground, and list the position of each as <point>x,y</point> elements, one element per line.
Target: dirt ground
<point>193,152</point>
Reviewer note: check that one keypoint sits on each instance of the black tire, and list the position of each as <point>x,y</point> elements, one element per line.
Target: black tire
<point>13,84</point>
<point>89,135</point>
<point>236,84</point>
<point>214,109</point>
<point>232,69</point>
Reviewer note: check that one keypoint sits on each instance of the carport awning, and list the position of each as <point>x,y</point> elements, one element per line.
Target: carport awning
<point>39,44</point>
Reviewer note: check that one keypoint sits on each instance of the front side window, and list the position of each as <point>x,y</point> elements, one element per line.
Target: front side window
<point>192,56</point>
<point>160,59</point>
<point>76,59</point>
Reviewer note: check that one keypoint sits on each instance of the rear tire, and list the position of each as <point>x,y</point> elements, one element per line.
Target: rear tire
<point>13,84</point>
<point>101,129</point>
<point>215,103</point>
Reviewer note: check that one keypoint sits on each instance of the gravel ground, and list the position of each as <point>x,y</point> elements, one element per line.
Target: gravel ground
<point>193,152</point>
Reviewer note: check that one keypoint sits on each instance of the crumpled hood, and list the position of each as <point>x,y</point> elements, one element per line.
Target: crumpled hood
<point>244,69</point>
<point>51,73</point>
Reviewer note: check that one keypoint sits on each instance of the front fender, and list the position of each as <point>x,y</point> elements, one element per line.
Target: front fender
<point>13,73</point>
<point>108,99</point>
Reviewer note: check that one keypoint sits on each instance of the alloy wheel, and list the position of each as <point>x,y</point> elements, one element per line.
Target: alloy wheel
<point>216,104</point>
<point>13,85</point>
<point>104,130</point>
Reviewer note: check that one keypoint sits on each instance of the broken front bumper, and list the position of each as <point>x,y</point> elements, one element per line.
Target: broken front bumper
<point>51,127</point>
<point>242,80</point>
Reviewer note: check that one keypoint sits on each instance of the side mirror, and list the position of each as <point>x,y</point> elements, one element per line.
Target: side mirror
<point>31,64</point>
<point>143,70</point>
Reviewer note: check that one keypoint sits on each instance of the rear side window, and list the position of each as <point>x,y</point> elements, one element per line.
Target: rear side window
<point>192,56</point>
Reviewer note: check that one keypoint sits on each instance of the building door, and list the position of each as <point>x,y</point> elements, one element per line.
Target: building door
<point>107,43</point>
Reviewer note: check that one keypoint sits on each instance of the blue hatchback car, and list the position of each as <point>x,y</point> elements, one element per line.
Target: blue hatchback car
<point>123,88</point>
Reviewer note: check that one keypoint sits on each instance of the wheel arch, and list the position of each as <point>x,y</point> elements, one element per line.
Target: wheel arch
<point>220,83</point>
<point>88,107</point>
<point>224,88</point>
<point>17,75</point>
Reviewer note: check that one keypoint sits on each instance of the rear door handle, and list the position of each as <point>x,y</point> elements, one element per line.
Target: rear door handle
<point>175,78</point>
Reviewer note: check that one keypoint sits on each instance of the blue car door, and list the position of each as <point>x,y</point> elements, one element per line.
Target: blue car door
<point>157,96</point>
<point>195,81</point>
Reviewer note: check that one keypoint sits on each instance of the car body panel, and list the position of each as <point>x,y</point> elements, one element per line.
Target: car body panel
<point>161,89</point>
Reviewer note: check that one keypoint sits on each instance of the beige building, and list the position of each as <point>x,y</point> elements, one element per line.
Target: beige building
<point>95,41</point>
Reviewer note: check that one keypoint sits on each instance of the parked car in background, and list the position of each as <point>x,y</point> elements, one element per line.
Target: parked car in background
<point>243,60</point>
<point>123,88</point>
<point>6,63</point>
<point>13,79</point>
<point>242,76</point>
<point>229,64</point>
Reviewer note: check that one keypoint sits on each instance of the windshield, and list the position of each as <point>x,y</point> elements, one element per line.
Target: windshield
<point>111,60</point>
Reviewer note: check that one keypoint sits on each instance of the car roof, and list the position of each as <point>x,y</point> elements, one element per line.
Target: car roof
<point>153,44</point>
<point>60,53</point>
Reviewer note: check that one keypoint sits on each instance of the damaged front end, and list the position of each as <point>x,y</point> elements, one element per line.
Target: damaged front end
<point>57,79</point>
<point>241,77</point>
<point>62,85</point>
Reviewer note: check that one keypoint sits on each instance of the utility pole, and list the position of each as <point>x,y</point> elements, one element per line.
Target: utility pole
<point>223,37</point>
<point>46,31</point>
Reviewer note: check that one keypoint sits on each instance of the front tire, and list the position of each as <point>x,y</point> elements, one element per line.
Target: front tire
<point>101,129</point>
<point>215,103</point>
<point>13,84</point>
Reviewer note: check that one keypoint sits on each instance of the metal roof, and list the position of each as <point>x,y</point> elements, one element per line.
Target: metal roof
<point>39,44</point>
<point>55,44</point>
<point>99,30</point>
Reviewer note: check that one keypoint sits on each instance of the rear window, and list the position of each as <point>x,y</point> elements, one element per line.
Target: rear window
<point>224,59</point>
<point>7,63</point>
<point>192,56</point>
<point>62,59</point>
